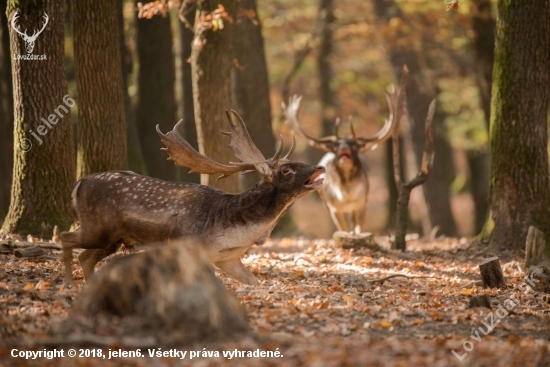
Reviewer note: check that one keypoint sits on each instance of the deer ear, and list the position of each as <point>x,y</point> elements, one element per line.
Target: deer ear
<point>264,170</point>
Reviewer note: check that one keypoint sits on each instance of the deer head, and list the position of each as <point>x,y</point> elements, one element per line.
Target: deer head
<point>29,40</point>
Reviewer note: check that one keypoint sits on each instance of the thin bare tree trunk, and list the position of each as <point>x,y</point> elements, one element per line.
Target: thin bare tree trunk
<point>211,63</point>
<point>136,161</point>
<point>101,120</point>
<point>156,102</point>
<point>483,26</point>
<point>251,89</point>
<point>329,101</point>
<point>189,126</point>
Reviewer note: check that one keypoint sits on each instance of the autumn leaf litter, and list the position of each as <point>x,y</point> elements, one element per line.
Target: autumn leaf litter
<point>317,304</point>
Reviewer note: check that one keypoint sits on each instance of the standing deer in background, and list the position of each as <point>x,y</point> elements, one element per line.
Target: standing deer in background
<point>122,207</point>
<point>346,185</point>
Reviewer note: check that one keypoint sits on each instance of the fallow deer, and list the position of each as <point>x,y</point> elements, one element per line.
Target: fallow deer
<point>122,207</point>
<point>346,186</point>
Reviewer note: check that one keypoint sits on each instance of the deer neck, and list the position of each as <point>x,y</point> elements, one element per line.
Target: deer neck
<point>261,203</point>
<point>347,172</point>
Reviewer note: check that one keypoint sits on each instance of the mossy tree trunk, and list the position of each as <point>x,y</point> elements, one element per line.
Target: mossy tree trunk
<point>101,118</point>
<point>251,88</point>
<point>43,176</point>
<point>420,91</point>
<point>6,113</point>
<point>211,63</point>
<point>156,101</point>
<point>519,185</point>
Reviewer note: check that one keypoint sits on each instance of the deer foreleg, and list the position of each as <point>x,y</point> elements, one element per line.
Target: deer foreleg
<point>358,219</point>
<point>236,270</point>
<point>338,219</point>
<point>69,240</point>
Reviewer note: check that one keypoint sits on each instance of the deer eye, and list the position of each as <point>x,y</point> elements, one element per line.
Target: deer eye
<point>287,170</point>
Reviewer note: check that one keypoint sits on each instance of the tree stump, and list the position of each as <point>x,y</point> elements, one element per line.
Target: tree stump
<point>539,278</point>
<point>534,247</point>
<point>349,240</point>
<point>491,273</point>
<point>34,251</point>
<point>169,292</point>
<point>480,301</point>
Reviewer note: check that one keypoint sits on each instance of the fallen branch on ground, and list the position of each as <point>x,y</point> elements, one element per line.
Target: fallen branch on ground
<point>383,279</point>
<point>23,244</point>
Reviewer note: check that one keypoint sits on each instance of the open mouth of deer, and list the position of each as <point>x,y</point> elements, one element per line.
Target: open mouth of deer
<point>315,181</point>
<point>344,156</point>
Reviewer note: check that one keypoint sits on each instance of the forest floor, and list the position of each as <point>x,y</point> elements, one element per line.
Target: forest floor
<point>317,306</point>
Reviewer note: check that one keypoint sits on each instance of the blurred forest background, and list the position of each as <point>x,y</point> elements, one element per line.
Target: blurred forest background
<point>342,57</point>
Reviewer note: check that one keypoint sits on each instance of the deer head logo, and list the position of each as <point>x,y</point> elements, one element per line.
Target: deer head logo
<point>29,40</point>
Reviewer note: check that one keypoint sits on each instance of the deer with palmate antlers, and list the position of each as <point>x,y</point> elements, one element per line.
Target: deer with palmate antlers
<point>346,186</point>
<point>122,207</point>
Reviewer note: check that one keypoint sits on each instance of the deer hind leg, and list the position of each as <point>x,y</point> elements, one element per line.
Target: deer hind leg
<point>358,219</point>
<point>69,241</point>
<point>236,270</point>
<point>89,258</point>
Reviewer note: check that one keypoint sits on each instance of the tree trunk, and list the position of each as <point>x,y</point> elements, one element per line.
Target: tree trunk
<point>420,91</point>
<point>478,162</point>
<point>329,103</point>
<point>534,247</point>
<point>251,89</point>
<point>157,104</point>
<point>211,63</point>
<point>189,126</point>
<point>101,119</point>
<point>43,176</point>
<point>519,190</point>
<point>483,26</point>
<point>437,189</point>
<point>6,113</point>
<point>136,161</point>
<point>392,189</point>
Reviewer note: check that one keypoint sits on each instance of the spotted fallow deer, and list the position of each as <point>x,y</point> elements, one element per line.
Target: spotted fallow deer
<point>122,207</point>
<point>346,186</point>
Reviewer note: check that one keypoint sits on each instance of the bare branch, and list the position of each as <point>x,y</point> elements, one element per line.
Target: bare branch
<point>428,155</point>
<point>397,97</point>
<point>405,188</point>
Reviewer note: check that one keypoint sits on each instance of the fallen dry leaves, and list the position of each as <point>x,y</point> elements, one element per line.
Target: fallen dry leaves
<point>316,304</point>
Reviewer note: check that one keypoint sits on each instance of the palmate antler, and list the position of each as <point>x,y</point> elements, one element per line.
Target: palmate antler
<point>183,154</point>
<point>291,113</point>
<point>326,143</point>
